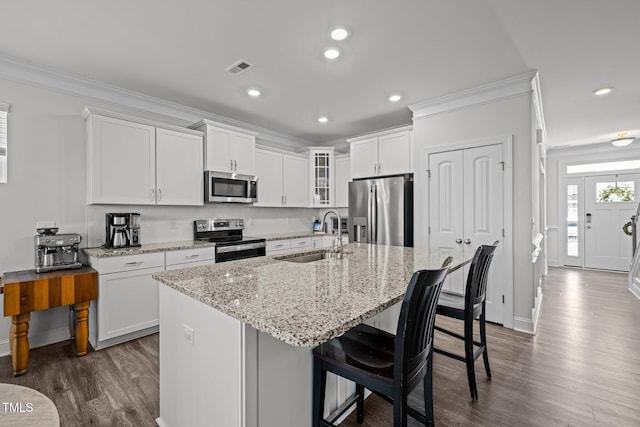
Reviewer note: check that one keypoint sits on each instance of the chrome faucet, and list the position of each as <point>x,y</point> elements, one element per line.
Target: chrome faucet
<point>324,217</point>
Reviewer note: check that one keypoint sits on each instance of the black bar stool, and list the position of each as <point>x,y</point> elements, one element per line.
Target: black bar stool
<point>467,308</point>
<point>388,365</point>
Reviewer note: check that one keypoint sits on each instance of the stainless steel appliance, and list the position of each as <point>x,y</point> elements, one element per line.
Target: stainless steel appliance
<point>381,211</point>
<point>230,243</point>
<point>224,187</point>
<point>122,230</point>
<point>56,251</point>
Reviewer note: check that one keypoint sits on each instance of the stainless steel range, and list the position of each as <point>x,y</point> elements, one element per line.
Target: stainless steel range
<point>227,235</point>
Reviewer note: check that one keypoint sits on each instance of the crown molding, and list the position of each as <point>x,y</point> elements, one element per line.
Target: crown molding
<point>36,75</point>
<point>382,132</point>
<point>502,89</point>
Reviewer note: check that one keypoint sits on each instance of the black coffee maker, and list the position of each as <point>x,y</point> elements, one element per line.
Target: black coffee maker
<point>122,230</point>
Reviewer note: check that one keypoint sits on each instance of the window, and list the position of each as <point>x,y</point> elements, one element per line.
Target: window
<point>620,191</point>
<point>604,167</point>
<point>572,220</point>
<point>4,109</point>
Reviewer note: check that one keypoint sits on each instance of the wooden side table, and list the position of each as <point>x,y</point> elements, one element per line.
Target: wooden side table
<point>27,291</point>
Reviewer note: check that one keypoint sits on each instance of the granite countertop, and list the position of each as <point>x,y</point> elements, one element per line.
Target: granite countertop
<point>144,249</point>
<point>296,235</point>
<point>307,304</point>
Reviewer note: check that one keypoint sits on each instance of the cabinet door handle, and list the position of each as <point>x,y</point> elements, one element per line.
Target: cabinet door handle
<point>285,200</point>
<point>159,194</point>
<point>131,264</point>
<point>192,256</point>
<point>379,168</point>
<point>153,195</point>
<point>231,165</point>
<point>235,165</point>
<point>375,169</point>
<point>467,241</point>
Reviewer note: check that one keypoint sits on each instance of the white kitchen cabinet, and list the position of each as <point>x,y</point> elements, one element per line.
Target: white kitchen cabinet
<point>383,153</point>
<point>127,304</point>
<point>343,176</point>
<point>282,179</point>
<point>227,148</point>
<point>317,242</point>
<point>185,258</point>
<point>178,168</point>
<point>275,247</point>
<point>120,161</point>
<point>302,243</point>
<point>322,177</point>
<point>136,161</point>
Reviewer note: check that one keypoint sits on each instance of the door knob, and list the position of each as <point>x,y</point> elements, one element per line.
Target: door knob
<point>467,241</point>
<point>458,241</point>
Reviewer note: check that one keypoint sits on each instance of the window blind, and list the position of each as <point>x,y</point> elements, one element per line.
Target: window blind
<point>4,108</point>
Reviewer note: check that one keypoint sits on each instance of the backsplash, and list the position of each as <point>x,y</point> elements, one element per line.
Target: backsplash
<point>175,223</point>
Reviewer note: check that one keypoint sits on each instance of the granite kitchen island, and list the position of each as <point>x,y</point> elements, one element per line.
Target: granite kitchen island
<point>236,337</point>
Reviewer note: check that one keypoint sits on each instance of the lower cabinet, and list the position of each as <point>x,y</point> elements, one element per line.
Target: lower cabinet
<point>127,304</point>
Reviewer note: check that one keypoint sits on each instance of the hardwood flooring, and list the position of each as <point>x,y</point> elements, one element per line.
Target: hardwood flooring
<point>117,386</point>
<point>582,368</point>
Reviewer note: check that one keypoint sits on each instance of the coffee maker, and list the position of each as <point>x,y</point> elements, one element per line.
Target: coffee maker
<point>122,230</point>
<point>56,251</point>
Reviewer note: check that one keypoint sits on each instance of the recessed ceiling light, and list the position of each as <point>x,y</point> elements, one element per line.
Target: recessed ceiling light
<point>253,92</point>
<point>395,98</point>
<point>332,53</point>
<point>603,91</point>
<point>323,119</point>
<point>339,33</point>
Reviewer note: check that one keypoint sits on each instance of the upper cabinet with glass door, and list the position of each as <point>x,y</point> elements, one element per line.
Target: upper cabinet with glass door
<point>322,177</point>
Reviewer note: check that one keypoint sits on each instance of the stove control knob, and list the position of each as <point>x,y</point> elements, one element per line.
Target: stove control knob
<point>239,224</point>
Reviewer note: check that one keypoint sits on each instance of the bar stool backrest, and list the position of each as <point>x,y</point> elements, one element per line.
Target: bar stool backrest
<point>476,289</point>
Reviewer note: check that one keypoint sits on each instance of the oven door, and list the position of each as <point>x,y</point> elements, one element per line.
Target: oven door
<point>222,187</point>
<point>240,251</point>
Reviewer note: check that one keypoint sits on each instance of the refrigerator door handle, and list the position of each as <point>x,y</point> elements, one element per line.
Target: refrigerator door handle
<point>374,219</point>
<point>369,215</point>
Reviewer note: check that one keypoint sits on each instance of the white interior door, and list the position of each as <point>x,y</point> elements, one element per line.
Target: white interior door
<point>483,221</point>
<point>465,209</point>
<point>445,209</point>
<point>609,203</point>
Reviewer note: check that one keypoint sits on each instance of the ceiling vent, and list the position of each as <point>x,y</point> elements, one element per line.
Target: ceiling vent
<point>239,67</point>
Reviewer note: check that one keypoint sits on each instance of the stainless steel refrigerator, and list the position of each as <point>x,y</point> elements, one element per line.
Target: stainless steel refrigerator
<point>381,211</point>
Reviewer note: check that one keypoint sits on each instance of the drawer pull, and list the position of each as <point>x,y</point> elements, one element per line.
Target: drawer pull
<point>192,256</point>
<point>279,246</point>
<point>130,264</point>
<point>302,243</point>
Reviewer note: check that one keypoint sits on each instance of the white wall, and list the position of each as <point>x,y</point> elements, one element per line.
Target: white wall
<point>557,160</point>
<point>46,181</point>
<point>511,116</point>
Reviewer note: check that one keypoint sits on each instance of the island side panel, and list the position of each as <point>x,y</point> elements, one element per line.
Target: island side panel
<point>201,364</point>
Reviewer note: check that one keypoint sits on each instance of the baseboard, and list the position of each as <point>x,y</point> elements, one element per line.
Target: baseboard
<point>525,325</point>
<point>50,336</point>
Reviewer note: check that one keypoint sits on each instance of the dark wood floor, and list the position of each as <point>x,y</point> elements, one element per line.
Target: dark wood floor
<point>581,369</point>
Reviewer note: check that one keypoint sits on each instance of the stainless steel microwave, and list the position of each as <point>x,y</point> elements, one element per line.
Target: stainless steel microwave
<point>225,187</point>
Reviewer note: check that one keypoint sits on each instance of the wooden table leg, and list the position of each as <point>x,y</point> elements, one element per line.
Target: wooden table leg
<point>82,328</point>
<point>19,343</point>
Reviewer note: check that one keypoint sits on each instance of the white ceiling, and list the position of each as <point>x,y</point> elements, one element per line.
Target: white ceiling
<point>423,49</point>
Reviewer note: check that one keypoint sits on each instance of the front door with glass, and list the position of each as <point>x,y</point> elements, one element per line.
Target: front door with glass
<point>609,203</point>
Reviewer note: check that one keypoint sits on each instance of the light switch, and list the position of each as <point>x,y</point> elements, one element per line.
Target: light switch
<point>188,333</point>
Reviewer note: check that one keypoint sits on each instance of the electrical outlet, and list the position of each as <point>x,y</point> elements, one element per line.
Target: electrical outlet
<point>188,333</point>
<point>173,224</point>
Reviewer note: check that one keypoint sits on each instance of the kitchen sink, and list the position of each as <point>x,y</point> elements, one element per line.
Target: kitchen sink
<point>311,257</point>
